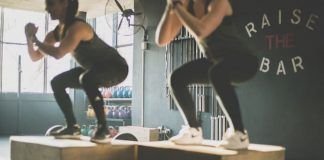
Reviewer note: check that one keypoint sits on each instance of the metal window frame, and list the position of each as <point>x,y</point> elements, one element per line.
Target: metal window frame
<point>45,76</point>
<point>1,45</point>
<point>45,59</point>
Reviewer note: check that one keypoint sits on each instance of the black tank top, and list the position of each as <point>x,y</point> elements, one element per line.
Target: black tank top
<point>224,40</point>
<point>94,51</point>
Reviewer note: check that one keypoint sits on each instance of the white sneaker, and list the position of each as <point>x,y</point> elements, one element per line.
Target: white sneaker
<point>235,140</point>
<point>188,135</point>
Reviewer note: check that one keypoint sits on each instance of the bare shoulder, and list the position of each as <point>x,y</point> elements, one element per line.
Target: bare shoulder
<point>82,30</point>
<point>80,25</point>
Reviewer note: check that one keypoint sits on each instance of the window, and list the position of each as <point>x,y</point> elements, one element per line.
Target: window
<point>125,32</point>
<point>124,42</point>
<point>15,54</point>
<point>103,30</point>
<point>125,46</point>
<point>10,68</point>
<point>15,21</point>
<point>54,66</point>
<point>127,53</point>
<point>19,73</point>
<point>32,73</point>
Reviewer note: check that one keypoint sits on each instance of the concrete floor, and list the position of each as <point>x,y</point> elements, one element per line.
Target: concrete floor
<point>4,148</point>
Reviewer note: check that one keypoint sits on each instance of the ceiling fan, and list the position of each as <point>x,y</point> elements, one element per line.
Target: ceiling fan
<point>128,15</point>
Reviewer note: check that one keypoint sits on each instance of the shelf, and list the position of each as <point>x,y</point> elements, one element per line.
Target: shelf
<point>122,121</point>
<point>118,99</point>
<point>117,120</point>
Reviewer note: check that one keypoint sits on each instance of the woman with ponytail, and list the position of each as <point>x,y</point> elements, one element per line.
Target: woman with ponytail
<point>100,65</point>
<point>227,62</point>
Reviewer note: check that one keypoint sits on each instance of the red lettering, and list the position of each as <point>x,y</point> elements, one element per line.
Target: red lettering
<point>280,41</point>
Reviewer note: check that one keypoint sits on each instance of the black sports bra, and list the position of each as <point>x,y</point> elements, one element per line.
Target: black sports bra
<point>225,38</point>
<point>91,52</point>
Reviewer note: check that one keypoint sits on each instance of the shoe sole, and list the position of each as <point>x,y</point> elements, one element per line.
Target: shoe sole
<point>195,142</point>
<point>68,137</point>
<point>101,141</point>
<point>234,147</point>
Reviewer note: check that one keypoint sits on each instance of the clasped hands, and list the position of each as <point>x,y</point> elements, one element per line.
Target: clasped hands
<point>173,3</point>
<point>30,31</point>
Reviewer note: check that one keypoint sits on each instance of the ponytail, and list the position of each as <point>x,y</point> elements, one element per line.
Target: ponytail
<point>71,12</point>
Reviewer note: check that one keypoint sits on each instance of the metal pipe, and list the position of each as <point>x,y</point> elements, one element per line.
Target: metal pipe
<point>145,39</point>
<point>18,93</point>
<point>142,94</point>
<point>1,44</point>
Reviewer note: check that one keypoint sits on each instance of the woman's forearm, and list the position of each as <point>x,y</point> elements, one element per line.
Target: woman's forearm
<point>48,49</point>
<point>193,24</point>
<point>201,27</point>
<point>34,54</point>
<point>168,27</point>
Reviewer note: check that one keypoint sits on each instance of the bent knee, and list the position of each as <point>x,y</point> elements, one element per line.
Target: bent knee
<point>176,80</point>
<point>85,78</point>
<point>56,83</point>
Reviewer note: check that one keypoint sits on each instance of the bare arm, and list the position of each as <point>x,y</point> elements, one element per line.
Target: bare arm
<point>169,26</point>
<point>34,53</point>
<point>204,26</point>
<point>77,32</point>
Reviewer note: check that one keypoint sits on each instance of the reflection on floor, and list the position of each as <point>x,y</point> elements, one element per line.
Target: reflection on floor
<point>4,148</point>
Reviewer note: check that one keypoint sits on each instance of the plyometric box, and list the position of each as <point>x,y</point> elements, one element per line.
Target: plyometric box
<point>165,150</point>
<point>48,148</point>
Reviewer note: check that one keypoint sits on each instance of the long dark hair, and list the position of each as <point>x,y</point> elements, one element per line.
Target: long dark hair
<point>71,12</point>
<point>70,16</point>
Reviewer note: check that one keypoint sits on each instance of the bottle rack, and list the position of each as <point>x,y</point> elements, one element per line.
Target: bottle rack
<point>117,105</point>
<point>118,101</point>
<point>117,92</point>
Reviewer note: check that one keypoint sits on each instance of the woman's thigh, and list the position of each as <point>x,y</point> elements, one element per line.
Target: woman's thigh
<point>195,71</point>
<point>108,74</point>
<point>239,67</point>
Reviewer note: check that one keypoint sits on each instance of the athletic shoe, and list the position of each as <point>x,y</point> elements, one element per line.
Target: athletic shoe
<point>235,140</point>
<point>188,135</point>
<point>73,132</point>
<point>100,136</point>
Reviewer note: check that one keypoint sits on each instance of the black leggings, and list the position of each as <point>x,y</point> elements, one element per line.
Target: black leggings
<point>103,74</point>
<point>222,74</point>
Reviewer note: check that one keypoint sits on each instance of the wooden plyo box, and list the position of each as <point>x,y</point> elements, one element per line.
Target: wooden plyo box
<point>48,148</point>
<point>165,150</point>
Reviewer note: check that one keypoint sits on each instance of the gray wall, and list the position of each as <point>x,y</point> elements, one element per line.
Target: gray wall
<point>285,109</point>
<point>156,110</point>
<point>34,113</point>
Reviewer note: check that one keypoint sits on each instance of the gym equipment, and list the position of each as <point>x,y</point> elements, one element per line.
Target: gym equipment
<point>53,129</point>
<point>91,130</point>
<point>120,92</point>
<point>84,130</point>
<point>125,136</point>
<point>115,92</point>
<point>129,93</point>
<point>127,15</point>
<point>128,112</point>
<point>48,148</point>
